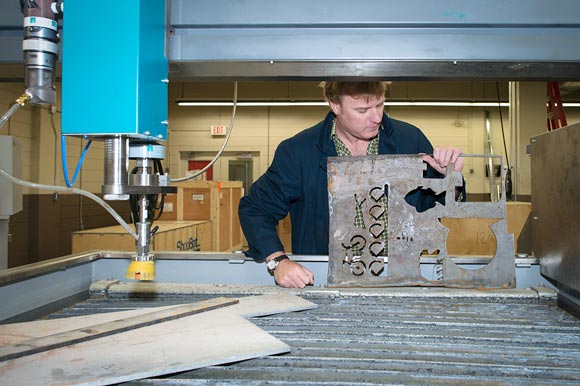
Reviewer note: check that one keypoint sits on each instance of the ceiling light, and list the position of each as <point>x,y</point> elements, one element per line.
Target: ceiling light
<point>319,103</point>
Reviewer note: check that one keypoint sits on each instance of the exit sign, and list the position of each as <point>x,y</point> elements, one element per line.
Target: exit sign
<point>218,130</point>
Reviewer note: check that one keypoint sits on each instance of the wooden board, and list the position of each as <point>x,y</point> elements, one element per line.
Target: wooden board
<point>236,232</point>
<point>184,344</point>
<point>250,306</point>
<point>116,326</point>
<point>225,220</point>
<point>211,338</point>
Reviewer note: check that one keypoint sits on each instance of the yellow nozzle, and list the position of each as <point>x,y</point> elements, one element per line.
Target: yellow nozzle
<point>141,270</point>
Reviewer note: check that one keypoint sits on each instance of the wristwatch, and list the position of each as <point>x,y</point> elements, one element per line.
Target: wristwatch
<point>273,263</point>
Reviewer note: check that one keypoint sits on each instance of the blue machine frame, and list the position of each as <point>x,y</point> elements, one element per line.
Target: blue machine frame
<point>115,65</point>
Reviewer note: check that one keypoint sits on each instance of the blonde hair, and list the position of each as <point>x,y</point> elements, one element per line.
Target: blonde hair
<point>332,91</point>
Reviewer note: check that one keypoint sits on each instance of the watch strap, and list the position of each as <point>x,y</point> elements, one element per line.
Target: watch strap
<point>273,263</point>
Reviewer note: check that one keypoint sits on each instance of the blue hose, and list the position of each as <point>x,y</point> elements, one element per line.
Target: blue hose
<point>64,163</point>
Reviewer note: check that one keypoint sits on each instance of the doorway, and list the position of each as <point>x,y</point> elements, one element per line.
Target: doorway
<point>241,170</point>
<point>198,165</point>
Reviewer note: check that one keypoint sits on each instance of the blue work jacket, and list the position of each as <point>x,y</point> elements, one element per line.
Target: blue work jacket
<point>296,183</point>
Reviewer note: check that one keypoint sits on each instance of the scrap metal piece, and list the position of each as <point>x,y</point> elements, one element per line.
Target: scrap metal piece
<point>356,251</point>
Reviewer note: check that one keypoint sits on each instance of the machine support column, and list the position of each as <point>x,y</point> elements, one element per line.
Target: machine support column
<point>527,119</point>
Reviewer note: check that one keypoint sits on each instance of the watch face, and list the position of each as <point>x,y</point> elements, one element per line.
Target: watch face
<point>272,264</point>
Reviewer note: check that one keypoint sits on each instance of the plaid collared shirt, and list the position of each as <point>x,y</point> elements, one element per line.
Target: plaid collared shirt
<point>342,150</point>
<point>372,149</point>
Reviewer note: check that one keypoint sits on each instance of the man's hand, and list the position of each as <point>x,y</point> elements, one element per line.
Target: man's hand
<point>291,274</point>
<point>443,156</point>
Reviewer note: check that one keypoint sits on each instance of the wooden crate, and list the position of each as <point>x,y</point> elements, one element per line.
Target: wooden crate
<point>285,233</point>
<point>171,236</point>
<point>214,201</point>
<point>473,236</point>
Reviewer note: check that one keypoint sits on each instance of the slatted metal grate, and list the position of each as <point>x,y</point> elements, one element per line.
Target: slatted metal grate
<point>367,337</point>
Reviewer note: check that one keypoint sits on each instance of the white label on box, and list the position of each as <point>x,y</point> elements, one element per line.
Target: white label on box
<point>218,130</point>
<point>197,197</point>
<point>168,207</point>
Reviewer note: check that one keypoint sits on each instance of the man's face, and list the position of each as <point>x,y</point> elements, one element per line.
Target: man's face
<point>359,117</point>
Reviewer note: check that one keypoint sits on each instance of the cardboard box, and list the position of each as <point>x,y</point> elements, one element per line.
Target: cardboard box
<point>214,201</point>
<point>185,236</point>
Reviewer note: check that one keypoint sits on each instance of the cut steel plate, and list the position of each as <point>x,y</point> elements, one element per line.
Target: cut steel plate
<point>358,249</point>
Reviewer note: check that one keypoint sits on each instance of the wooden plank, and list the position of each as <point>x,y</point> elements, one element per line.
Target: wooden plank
<point>206,339</point>
<point>179,204</point>
<point>236,226</point>
<point>225,219</point>
<point>204,236</point>
<point>263,305</point>
<point>211,338</point>
<point>79,335</point>
<point>215,218</point>
<point>250,306</point>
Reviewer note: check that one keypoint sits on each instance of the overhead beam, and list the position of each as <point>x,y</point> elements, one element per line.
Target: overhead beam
<point>313,40</point>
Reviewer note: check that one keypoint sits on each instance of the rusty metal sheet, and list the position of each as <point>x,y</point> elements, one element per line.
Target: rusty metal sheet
<point>359,249</point>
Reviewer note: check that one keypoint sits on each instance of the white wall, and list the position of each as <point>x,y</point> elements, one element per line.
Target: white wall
<point>256,129</point>
<point>463,128</point>
<point>35,128</point>
<point>261,129</point>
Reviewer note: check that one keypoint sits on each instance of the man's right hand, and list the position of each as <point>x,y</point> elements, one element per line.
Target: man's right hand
<point>291,274</point>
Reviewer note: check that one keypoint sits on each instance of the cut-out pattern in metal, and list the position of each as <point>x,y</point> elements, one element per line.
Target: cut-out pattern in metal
<point>357,253</point>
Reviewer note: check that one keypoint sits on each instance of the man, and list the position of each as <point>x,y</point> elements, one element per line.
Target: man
<point>296,182</point>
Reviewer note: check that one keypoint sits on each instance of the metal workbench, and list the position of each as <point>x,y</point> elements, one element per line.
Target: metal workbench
<point>356,336</point>
<point>43,287</point>
<point>383,336</point>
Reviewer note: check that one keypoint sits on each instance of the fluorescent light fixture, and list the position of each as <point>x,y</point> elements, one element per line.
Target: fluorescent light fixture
<point>306,103</point>
<point>447,104</point>
<point>258,104</point>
